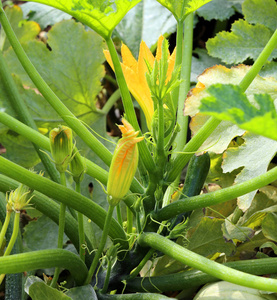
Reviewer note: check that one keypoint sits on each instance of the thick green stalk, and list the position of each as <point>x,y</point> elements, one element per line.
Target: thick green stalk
<point>5,227</point>
<point>82,238</point>
<point>23,113</point>
<point>178,59</point>
<point>195,278</point>
<point>42,141</point>
<point>145,154</point>
<point>64,195</point>
<point>51,209</point>
<point>219,196</point>
<point>97,147</point>
<point>182,159</point>
<point>61,230</point>
<point>45,259</point>
<point>204,264</point>
<point>101,245</point>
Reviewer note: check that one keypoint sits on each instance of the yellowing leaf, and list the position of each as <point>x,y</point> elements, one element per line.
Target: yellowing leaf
<point>101,15</point>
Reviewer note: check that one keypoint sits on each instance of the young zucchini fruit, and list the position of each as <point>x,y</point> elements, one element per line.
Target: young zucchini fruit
<point>198,169</point>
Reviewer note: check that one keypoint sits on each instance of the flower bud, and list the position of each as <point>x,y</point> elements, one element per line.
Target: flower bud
<point>61,146</point>
<point>19,198</point>
<point>77,166</point>
<point>124,163</point>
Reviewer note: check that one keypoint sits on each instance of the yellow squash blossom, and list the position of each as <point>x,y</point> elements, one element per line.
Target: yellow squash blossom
<point>124,163</point>
<point>134,73</point>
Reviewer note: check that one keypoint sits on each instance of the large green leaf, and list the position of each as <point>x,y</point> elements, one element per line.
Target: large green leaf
<point>261,12</point>
<point>181,8</point>
<point>101,15</point>
<point>73,68</point>
<point>229,103</point>
<point>269,226</point>
<point>217,9</point>
<point>24,30</point>
<point>241,43</point>
<point>145,22</point>
<point>44,15</point>
<point>208,239</point>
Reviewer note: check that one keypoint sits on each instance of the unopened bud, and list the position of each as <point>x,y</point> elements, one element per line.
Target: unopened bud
<point>61,146</point>
<point>19,198</point>
<point>77,166</point>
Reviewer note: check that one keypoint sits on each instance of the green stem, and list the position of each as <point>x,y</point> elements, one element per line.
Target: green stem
<point>5,227</point>
<point>82,238</point>
<point>96,146</point>
<point>64,195</point>
<point>118,214</point>
<point>111,101</point>
<point>23,113</point>
<point>204,264</point>
<point>136,271</point>
<point>145,154</point>
<point>260,61</point>
<point>13,239</point>
<point>137,296</point>
<point>42,141</point>
<point>51,209</point>
<point>178,59</point>
<point>45,259</point>
<point>219,196</point>
<point>107,278</point>
<point>61,230</point>
<point>101,245</point>
<point>195,278</point>
<point>129,221</point>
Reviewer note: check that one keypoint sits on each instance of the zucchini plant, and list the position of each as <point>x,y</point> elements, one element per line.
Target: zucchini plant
<point>133,164</point>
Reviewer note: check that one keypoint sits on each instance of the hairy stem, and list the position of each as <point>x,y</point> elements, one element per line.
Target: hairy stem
<point>204,264</point>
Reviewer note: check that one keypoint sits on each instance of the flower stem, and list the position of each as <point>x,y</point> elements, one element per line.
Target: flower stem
<point>145,154</point>
<point>82,238</point>
<point>111,101</point>
<point>101,245</point>
<point>13,239</point>
<point>97,147</point>
<point>61,230</point>
<point>204,264</point>
<point>5,227</point>
<point>129,221</point>
<point>216,197</point>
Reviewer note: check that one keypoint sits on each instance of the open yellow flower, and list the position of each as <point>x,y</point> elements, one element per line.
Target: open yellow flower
<point>134,73</point>
<point>124,163</point>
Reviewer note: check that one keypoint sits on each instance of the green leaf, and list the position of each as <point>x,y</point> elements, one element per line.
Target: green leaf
<point>201,61</point>
<point>24,30</point>
<point>269,226</point>
<point>100,15</point>
<point>145,22</point>
<point>181,8</point>
<point>235,232</point>
<point>261,12</point>
<point>72,71</point>
<point>208,239</point>
<point>229,103</point>
<point>44,15</point>
<point>241,43</point>
<point>269,245</point>
<point>216,9</point>
<point>39,290</point>
<point>85,292</point>
<point>41,234</point>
